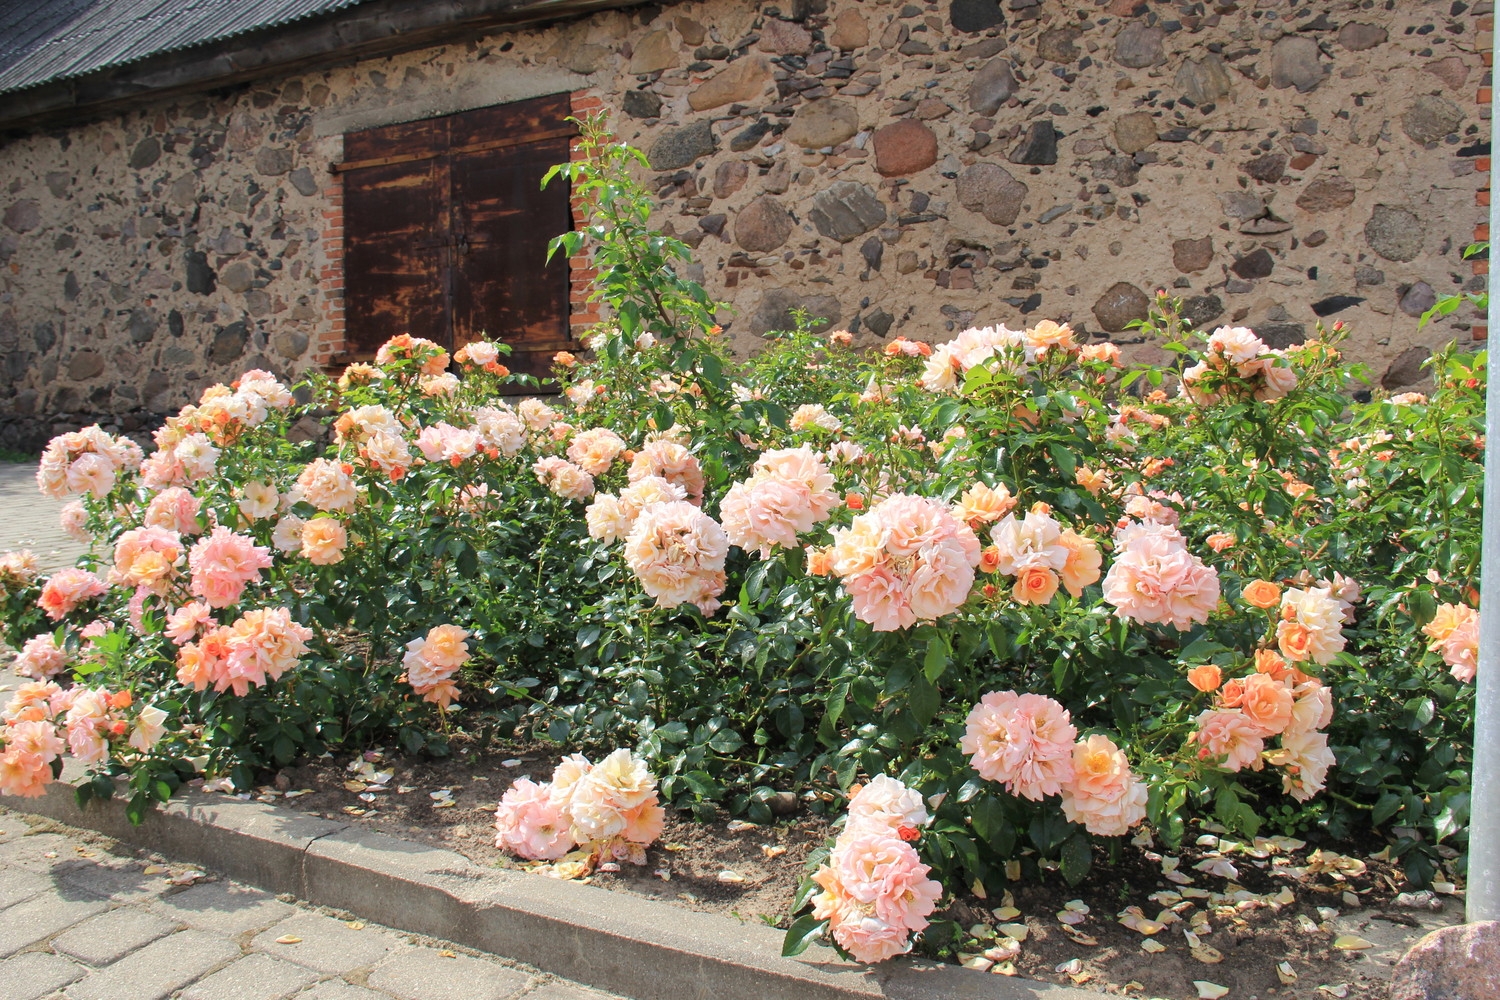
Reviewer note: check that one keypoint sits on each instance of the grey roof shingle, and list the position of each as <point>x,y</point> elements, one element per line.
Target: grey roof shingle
<point>47,40</point>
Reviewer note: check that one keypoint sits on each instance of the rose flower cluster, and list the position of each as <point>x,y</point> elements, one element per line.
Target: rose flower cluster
<point>43,720</point>
<point>876,892</point>
<point>432,661</point>
<point>1028,744</point>
<point>1236,365</point>
<point>1454,635</point>
<point>907,559</point>
<point>609,810</point>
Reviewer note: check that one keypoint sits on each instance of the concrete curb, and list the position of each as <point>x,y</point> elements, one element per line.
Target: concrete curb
<point>610,940</point>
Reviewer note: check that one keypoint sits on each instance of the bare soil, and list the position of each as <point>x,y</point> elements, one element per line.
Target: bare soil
<point>752,872</point>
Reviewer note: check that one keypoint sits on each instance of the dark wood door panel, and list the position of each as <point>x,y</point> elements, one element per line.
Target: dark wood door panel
<point>519,120</point>
<point>446,231</point>
<point>395,254</point>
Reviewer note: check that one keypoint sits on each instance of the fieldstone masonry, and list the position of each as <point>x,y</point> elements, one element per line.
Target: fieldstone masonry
<point>895,166</point>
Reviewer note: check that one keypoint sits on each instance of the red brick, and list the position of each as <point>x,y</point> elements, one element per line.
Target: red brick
<point>1481,332</point>
<point>1482,231</point>
<point>1482,197</point>
<point>1484,95</point>
<point>1482,164</point>
<point>1481,266</point>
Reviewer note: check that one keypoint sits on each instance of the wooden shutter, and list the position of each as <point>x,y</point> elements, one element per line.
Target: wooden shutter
<point>446,230</point>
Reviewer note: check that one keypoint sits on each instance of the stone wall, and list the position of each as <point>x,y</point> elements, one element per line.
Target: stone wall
<point>896,167</point>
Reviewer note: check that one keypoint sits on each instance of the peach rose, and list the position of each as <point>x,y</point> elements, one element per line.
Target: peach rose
<point>1294,640</point>
<point>324,540</point>
<point>1206,678</point>
<point>1267,703</point>
<point>1261,593</point>
<point>1034,585</point>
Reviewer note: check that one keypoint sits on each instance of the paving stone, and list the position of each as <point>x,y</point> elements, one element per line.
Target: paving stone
<point>110,936</point>
<point>158,969</point>
<point>254,977</point>
<point>224,907</point>
<point>17,884</point>
<point>118,880</point>
<point>564,991</point>
<point>36,974</point>
<point>31,852</point>
<point>337,989</point>
<point>327,945</point>
<point>423,974</point>
<point>40,917</point>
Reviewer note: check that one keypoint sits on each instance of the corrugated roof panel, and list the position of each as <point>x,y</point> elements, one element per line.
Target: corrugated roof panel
<point>72,38</point>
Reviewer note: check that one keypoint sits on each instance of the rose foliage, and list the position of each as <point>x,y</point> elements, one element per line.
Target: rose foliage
<point>1057,596</point>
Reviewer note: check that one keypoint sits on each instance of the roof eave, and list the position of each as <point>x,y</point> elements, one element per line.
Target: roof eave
<point>379,28</point>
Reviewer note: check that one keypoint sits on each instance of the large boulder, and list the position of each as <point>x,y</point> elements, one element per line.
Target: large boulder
<point>1455,963</point>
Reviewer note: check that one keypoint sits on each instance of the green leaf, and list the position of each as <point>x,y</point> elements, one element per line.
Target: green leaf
<point>803,932</point>
<point>1385,807</point>
<point>923,700</point>
<point>726,741</point>
<point>1066,463</point>
<point>936,660</point>
<point>1077,858</point>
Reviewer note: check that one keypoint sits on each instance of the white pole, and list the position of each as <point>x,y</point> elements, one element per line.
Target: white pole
<point>1484,814</point>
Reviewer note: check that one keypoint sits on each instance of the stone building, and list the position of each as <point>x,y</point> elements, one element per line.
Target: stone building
<point>274,183</point>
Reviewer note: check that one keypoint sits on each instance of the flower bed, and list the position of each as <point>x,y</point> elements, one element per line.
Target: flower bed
<point>1044,598</point>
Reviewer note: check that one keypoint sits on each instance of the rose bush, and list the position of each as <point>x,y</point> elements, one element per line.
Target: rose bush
<point>1054,596</point>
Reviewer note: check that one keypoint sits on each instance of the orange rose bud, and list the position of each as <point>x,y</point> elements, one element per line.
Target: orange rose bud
<point>854,501</point>
<point>1269,662</point>
<point>118,727</point>
<point>1261,593</point>
<point>120,699</point>
<point>819,561</point>
<point>564,359</point>
<point>1220,540</point>
<point>908,833</point>
<point>1205,678</point>
<point>989,559</point>
<point>989,590</point>
<point>1233,694</point>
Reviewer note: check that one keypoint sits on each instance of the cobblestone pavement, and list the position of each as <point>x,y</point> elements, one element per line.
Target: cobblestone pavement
<point>28,520</point>
<point>84,918</point>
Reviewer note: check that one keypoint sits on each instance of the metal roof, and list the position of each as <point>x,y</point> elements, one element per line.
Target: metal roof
<point>42,41</point>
